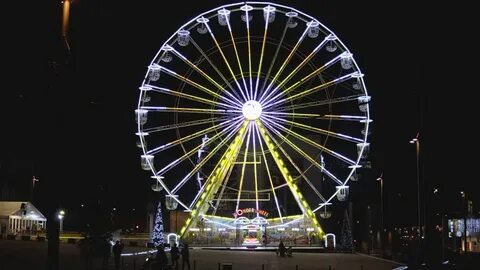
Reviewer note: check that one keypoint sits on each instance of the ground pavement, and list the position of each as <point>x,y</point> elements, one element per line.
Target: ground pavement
<point>20,255</point>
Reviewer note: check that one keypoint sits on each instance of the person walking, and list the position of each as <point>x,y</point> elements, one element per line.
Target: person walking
<point>161,259</point>
<point>281,249</point>
<point>174,253</point>
<point>185,256</point>
<point>117,252</point>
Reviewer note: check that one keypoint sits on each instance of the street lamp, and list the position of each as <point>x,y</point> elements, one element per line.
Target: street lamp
<point>61,215</point>
<point>34,180</point>
<point>416,141</point>
<point>380,178</point>
<point>465,213</point>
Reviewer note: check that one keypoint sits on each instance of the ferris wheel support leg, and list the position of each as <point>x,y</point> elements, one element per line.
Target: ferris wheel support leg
<point>304,206</point>
<point>269,174</point>
<point>215,179</point>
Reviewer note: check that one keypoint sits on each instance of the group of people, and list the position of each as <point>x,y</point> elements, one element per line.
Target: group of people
<point>162,260</point>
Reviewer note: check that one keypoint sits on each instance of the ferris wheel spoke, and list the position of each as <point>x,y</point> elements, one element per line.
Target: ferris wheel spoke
<point>268,173</point>
<point>329,117</point>
<point>235,95</point>
<point>205,75</point>
<point>317,130</point>
<point>184,124</point>
<point>247,21</point>
<point>242,175</point>
<point>310,91</point>
<point>190,97</point>
<point>238,58</point>
<point>312,143</point>
<point>198,86</point>
<point>227,63</point>
<point>296,69</point>
<point>293,114</point>
<point>302,153</point>
<point>355,118</point>
<point>191,110</point>
<point>285,153</point>
<point>255,167</point>
<point>191,136</point>
<point>282,67</point>
<point>272,63</point>
<point>225,182</point>
<point>205,159</point>
<point>318,103</point>
<point>172,164</point>
<point>306,78</point>
<point>259,72</point>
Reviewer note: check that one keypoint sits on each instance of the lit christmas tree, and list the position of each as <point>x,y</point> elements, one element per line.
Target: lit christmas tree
<point>157,236</point>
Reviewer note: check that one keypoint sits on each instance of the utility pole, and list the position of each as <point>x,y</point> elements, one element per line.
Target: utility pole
<point>58,68</point>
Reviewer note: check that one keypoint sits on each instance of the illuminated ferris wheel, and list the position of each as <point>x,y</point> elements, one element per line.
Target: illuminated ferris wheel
<point>253,107</point>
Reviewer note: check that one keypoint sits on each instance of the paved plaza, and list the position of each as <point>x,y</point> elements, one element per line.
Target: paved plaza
<point>32,255</point>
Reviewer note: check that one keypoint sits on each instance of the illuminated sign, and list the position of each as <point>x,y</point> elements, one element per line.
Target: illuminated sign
<point>243,211</point>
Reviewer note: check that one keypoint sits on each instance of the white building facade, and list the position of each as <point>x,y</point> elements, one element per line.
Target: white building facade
<point>17,217</point>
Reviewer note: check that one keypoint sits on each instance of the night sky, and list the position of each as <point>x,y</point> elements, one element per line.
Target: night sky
<point>75,130</point>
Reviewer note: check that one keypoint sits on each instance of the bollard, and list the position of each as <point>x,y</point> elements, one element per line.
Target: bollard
<point>263,266</point>
<point>218,266</point>
<point>329,267</point>
<point>361,267</point>
<point>194,265</point>
<point>296,267</point>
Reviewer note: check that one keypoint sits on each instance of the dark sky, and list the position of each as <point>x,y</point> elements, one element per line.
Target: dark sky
<point>76,133</point>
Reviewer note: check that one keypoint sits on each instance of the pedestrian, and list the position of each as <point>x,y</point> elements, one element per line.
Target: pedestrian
<point>174,254</point>
<point>185,256</point>
<point>106,250</point>
<point>161,258</point>
<point>117,252</point>
<point>281,249</point>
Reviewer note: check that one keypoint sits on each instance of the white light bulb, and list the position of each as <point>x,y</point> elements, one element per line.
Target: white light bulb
<point>252,110</point>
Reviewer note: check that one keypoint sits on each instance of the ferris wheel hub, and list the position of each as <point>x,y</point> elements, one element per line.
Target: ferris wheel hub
<point>252,110</point>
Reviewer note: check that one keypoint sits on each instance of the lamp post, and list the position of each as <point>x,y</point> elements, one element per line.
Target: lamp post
<point>416,141</point>
<point>465,213</point>
<point>381,213</point>
<point>61,215</point>
<point>34,180</point>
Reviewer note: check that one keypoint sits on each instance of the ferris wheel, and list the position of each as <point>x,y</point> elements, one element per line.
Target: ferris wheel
<point>256,106</point>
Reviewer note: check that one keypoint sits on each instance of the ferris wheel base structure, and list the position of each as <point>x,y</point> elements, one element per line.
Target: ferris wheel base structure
<point>258,225</point>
